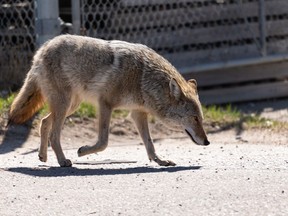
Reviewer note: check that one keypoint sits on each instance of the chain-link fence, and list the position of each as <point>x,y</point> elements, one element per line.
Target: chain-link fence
<point>192,32</point>
<point>17,40</point>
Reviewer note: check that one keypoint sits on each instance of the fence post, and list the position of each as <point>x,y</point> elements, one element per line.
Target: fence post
<point>47,22</point>
<point>262,27</point>
<point>76,16</point>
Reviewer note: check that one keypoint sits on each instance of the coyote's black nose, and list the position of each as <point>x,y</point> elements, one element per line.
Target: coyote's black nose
<point>206,142</point>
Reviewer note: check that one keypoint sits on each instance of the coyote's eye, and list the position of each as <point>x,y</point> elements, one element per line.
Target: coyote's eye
<point>196,119</point>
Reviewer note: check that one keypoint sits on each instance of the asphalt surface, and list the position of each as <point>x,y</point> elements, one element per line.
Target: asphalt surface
<point>230,179</point>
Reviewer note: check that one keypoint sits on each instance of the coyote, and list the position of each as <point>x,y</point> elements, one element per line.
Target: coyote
<point>69,69</point>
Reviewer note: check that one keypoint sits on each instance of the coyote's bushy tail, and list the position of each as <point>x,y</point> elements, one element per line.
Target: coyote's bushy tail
<point>27,102</point>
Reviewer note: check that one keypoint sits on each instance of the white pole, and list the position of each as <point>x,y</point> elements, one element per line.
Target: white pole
<point>76,16</point>
<point>47,23</point>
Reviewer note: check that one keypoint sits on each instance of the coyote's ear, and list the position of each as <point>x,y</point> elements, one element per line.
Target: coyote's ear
<point>175,89</point>
<point>193,83</point>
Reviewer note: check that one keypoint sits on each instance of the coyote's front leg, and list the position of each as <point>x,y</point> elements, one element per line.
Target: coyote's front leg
<point>140,119</point>
<point>104,120</point>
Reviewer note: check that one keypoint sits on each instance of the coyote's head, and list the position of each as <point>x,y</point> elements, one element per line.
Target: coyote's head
<point>185,112</point>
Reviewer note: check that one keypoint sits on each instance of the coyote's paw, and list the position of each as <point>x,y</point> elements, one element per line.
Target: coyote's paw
<point>65,163</point>
<point>82,151</point>
<point>42,157</point>
<point>164,162</point>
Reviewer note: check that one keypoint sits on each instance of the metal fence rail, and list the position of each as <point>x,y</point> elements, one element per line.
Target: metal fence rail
<point>193,32</point>
<point>17,40</point>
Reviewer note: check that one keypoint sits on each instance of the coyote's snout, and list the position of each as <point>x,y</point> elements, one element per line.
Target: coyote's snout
<point>70,69</point>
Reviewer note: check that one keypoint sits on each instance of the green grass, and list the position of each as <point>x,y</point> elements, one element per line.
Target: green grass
<point>5,103</point>
<point>119,113</point>
<point>223,117</point>
<point>215,116</point>
<point>255,121</point>
<point>86,110</point>
<point>219,115</point>
<point>44,111</point>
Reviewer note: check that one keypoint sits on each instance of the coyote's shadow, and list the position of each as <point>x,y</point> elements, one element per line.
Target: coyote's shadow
<point>73,171</point>
<point>15,136</point>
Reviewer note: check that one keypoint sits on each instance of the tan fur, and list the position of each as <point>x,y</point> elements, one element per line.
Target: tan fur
<point>70,69</point>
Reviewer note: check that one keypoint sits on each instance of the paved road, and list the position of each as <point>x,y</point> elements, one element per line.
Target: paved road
<point>231,179</point>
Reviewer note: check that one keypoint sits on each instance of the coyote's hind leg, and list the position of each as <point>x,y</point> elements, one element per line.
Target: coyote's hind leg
<point>45,128</point>
<point>59,105</point>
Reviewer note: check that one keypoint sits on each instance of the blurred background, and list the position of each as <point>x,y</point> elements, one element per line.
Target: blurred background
<point>236,49</point>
